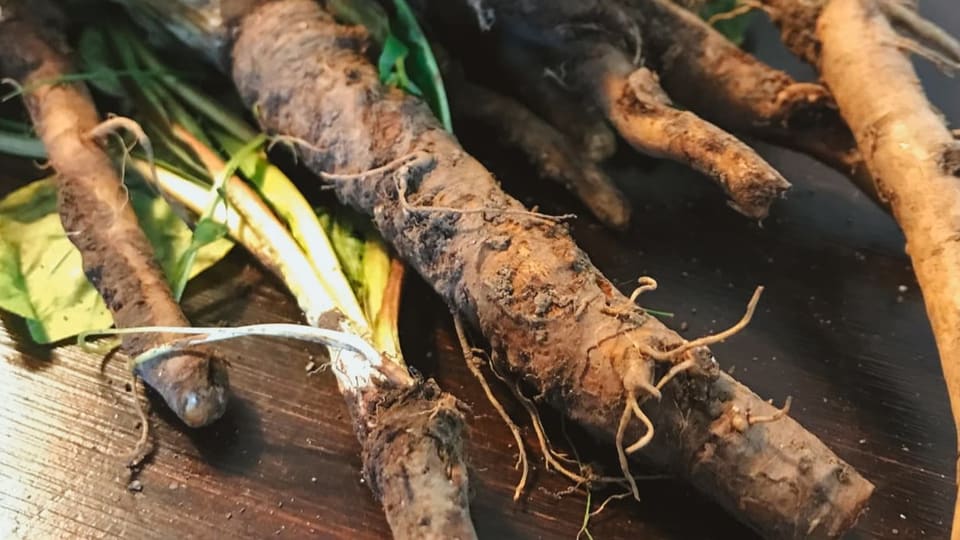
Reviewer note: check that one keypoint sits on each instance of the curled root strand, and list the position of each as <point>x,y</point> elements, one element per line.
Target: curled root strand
<point>17,88</point>
<point>783,411</point>
<point>653,391</point>
<point>115,123</point>
<point>645,420</point>
<point>713,338</point>
<point>647,284</point>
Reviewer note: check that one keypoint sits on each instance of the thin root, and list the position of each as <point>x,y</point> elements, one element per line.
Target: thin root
<point>142,450</point>
<point>17,88</point>
<point>647,284</point>
<point>674,371</point>
<point>115,123</point>
<point>713,338</point>
<point>785,410</point>
<point>943,63</point>
<point>743,7</point>
<point>550,456</point>
<point>474,366</point>
<point>670,354</point>
<point>924,30</point>
<point>603,505</point>
<point>645,420</point>
<point>622,453</point>
<point>401,167</point>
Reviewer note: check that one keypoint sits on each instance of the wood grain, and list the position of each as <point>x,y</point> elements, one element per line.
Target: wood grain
<point>833,331</point>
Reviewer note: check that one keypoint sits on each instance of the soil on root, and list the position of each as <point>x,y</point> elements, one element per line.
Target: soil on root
<point>95,211</point>
<point>413,460</point>
<point>550,316</point>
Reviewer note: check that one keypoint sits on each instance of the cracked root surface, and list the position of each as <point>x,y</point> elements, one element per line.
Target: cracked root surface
<point>548,313</point>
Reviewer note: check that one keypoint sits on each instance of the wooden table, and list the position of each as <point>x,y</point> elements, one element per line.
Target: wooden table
<point>833,331</point>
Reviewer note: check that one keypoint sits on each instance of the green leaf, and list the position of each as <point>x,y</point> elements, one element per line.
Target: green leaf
<point>406,60</point>
<point>734,29</point>
<point>349,244</point>
<point>25,146</point>
<point>391,62</point>
<point>13,287</point>
<point>205,233</point>
<point>96,59</point>
<point>41,272</point>
<point>286,201</point>
<point>367,264</point>
<point>422,67</point>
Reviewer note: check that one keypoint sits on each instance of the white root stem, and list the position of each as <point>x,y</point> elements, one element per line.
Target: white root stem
<point>202,335</point>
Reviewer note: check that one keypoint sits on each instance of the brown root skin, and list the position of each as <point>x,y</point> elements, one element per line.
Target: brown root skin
<point>549,314</point>
<point>745,94</point>
<point>117,258</point>
<point>546,148</point>
<point>593,47</point>
<point>909,149</point>
<point>798,23</point>
<point>640,110</point>
<point>541,91</point>
<point>413,460</point>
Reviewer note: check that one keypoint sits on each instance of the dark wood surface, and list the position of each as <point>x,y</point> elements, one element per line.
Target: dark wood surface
<point>833,331</point>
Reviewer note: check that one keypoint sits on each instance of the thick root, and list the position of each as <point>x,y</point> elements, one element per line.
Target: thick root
<point>910,152</point>
<point>592,48</point>
<point>413,461</point>
<point>745,94</point>
<point>639,109</point>
<point>546,148</point>
<point>542,91</point>
<point>537,298</point>
<point>117,258</point>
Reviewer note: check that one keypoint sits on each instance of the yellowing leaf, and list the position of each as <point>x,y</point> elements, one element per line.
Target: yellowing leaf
<point>41,273</point>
